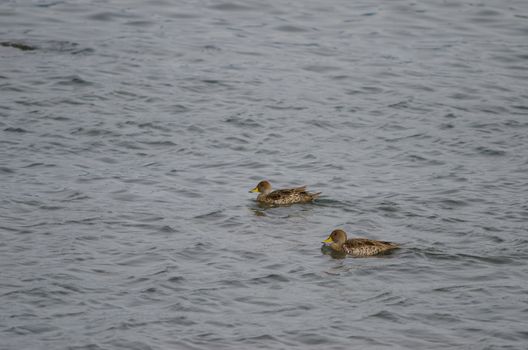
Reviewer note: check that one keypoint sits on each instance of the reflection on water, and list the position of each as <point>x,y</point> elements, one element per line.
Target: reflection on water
<point>325,249</point>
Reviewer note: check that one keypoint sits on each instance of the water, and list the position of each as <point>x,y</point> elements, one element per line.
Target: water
<point>132,131</point>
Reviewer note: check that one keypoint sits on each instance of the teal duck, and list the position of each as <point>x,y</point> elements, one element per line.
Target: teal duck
<point>284,196</point>
<point>358,247</point>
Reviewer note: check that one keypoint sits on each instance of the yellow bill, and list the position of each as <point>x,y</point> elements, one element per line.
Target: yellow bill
<point>328,240</point>
<point>254,190</point>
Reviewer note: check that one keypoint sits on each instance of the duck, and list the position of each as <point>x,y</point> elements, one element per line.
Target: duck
<point>284,196</point>
<point>357,247</point>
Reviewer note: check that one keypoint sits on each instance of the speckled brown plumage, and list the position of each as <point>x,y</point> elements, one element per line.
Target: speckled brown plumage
<point>358,247</point>
<point>284,196</point>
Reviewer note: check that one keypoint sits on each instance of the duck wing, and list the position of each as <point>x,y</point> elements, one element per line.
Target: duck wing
<point>298,189</point>
<point>285,193</point>
<point>366,247</point>
<point>302,191</point>
<point>290,196</point>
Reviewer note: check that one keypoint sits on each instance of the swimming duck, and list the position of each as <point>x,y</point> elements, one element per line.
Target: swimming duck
<point>285,196</point>
<point>358,247</point>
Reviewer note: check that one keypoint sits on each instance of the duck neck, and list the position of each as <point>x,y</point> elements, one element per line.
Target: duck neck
<point>264,193</point>
<point>337,246</point>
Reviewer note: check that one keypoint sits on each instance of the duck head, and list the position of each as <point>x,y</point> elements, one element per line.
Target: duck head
<point>263,187</point>
<point>337,237</point>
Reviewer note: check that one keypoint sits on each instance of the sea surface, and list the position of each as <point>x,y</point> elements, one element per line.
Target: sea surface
<point>132,131</point>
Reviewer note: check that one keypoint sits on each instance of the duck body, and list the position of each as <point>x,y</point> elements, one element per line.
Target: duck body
<point>357,247</point>
<point>284,196</point>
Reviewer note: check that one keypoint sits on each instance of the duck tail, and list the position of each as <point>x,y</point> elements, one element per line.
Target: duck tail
<point>316,195</point>
<point>392,245</point>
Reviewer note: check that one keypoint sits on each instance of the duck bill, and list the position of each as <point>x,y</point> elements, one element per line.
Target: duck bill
<point>254,190</point>
<point>328,240</point>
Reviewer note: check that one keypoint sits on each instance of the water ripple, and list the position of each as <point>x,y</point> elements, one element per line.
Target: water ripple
<point>131,135</point>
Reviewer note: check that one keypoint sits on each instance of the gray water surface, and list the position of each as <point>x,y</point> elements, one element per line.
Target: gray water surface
<point>131,132</point>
